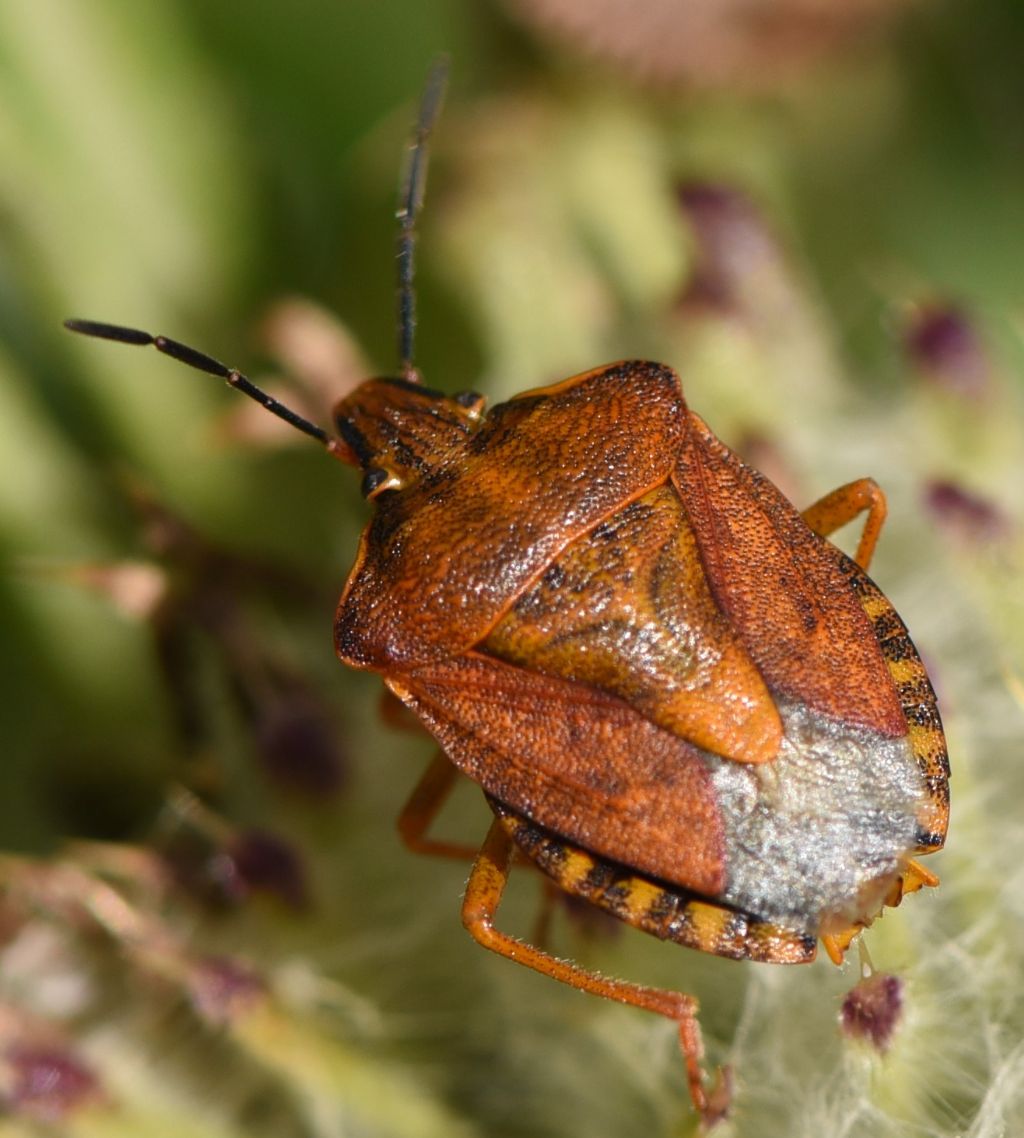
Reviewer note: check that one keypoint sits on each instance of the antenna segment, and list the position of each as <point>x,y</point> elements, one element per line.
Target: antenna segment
<point>202,362</point>
<point>411,201</point>
<point>414,184</point>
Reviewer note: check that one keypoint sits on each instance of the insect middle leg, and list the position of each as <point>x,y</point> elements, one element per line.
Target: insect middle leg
<point>483,895</point>
<point>842,505</point>
<point>418,814</point>
<point>424,805</point>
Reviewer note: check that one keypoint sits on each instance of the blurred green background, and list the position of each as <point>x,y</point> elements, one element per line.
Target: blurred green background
<point>819,222</point>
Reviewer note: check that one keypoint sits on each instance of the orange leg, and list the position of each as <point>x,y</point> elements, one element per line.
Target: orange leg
<point>424,804</point>
<point>483,895</point>
<point>844,504</point>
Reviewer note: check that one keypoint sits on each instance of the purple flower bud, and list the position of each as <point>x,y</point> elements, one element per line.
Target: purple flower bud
<point>873,1010</point>
<point>223,988</point>
<point>730,243</point>
<point>265,862</point>
<point>299,746</point>
<point>963,515</point>
<point>47,1083</point>
<point>943,346</point>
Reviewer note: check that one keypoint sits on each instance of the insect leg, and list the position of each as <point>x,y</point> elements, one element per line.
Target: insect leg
<point>844,504</point>
<point>423,806</point>
<point>483,895</point>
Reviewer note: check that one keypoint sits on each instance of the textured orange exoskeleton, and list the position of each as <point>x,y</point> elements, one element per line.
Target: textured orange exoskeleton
<point>684,704</point>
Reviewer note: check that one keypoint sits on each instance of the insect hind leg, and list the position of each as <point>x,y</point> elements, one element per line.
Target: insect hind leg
<point>842,505</point>
<point>484,891</point>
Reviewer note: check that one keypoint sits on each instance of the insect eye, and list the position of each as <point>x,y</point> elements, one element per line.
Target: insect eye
<point>472,401</point>
<point>376,480</point>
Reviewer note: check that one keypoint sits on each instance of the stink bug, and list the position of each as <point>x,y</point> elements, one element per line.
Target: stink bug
<point>683,703</point>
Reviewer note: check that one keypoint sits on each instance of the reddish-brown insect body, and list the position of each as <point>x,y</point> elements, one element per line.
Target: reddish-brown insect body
<point>685,705</point>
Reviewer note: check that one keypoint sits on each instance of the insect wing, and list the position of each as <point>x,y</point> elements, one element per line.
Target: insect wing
<point>781,589</point>
<point>578,761</point>
<point>627,609</point>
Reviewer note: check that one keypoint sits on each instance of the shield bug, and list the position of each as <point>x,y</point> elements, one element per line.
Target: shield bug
<point>684,704</point>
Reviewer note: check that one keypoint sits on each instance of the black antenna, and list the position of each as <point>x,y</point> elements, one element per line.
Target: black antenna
<point>202,362</point>
<point>414,183</point>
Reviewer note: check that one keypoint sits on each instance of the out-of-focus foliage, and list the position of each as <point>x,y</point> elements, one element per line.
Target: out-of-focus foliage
<point>745,44</point>
<point>234,942</point>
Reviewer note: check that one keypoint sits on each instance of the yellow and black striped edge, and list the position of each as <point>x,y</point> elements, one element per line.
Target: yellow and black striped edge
<point>917,698</point>
<point>655,907</point>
